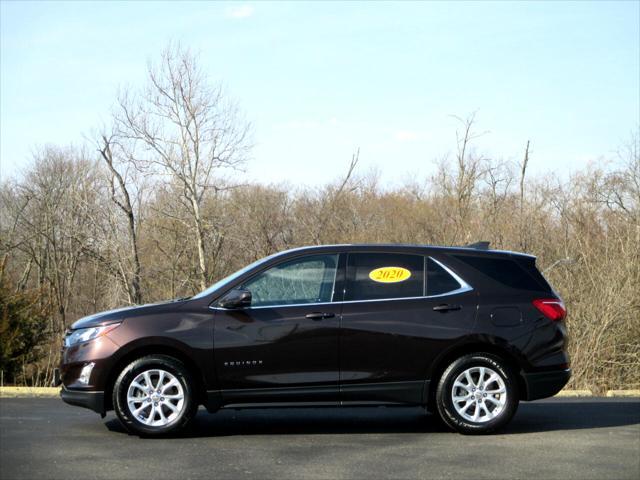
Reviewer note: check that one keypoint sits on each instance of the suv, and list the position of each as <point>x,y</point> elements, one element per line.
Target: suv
<point>464,332</point>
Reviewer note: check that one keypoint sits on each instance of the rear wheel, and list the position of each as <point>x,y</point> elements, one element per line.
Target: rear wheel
<point>154,395</point>
<point>477,394</point>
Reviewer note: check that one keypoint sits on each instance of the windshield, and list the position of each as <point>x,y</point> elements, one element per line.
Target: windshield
<point>230,278</point>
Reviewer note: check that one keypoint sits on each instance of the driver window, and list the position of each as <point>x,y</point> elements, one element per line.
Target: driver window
<point>308,279</point>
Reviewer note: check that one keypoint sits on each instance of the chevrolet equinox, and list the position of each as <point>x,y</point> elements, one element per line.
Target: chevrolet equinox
<point>464,332</point>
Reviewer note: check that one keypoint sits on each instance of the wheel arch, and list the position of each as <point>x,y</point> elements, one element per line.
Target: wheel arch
<point>494,347</point>
<point>136,351</point>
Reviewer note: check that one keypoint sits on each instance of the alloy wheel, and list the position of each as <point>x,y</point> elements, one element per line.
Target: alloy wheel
<point>479,394</point>
<point>155,397</point>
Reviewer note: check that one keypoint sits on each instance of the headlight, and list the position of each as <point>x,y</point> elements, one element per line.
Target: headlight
<point>86,334</point>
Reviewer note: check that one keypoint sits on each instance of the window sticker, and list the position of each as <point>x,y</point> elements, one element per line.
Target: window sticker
<point>389,274</point>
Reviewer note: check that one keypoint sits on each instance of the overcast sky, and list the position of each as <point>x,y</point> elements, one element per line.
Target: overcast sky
<point>318,80</point>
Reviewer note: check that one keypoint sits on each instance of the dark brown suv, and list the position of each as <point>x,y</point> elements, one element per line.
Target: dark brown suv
<point>465,332</point>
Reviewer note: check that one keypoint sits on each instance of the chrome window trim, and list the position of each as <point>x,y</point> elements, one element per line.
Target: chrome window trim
<point>424,297</point>
<point>464,287</point>
<point>274,306</point>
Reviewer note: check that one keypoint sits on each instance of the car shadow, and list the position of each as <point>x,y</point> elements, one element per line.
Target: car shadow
<point>555,415</point>
<point>574,414</point>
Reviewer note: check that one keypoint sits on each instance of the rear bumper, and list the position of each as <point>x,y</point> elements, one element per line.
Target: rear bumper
<point>91,400</point>
<point>545,384</point>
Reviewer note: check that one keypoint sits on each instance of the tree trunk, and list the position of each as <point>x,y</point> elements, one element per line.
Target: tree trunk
<point>135,280</point>
<point>127,208</point>
<point>202,257</point>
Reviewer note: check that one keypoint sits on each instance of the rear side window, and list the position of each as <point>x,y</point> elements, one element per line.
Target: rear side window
<point>502,270</point>
<point>439,281</point>
<point>373,276</point>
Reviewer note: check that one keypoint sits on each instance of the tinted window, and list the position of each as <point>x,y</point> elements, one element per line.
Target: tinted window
<point>529,266</point>
<point>373,276</point>
<point>303,280</point>
<point>439,281</point>
<point>502,270</point>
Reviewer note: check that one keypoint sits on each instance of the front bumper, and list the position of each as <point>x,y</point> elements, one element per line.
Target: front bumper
<point>82,398</point>
<point>545,384</point>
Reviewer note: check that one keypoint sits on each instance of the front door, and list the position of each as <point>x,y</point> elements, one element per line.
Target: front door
<point>284,347</point>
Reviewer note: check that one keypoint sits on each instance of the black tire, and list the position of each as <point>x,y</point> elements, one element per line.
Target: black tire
<point>444,393</point>
<point>151,362</point>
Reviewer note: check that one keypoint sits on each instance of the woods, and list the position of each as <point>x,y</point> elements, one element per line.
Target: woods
<point>155,207</point>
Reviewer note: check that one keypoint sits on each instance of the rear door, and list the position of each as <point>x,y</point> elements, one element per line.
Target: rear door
<point>399,312</point>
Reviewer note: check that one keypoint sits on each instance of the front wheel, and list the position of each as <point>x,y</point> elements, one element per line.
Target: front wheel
<point>477,394</point>
<point>154,396</point>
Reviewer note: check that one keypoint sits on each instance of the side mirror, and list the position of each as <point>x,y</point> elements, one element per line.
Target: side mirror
<point>237,298</point>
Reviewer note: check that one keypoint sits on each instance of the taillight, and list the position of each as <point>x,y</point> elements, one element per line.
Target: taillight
<point>552,308</point>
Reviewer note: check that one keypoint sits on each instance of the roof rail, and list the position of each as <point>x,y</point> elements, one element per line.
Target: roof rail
<point>479,245</point>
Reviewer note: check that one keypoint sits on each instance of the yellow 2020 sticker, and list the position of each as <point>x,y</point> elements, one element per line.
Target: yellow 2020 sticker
<point>389,274</point>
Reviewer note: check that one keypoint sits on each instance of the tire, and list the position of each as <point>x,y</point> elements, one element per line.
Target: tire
<point>477,408</point>
<point>162,409</point>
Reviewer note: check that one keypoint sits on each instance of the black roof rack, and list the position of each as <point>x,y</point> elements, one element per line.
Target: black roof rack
<point>479,245</point>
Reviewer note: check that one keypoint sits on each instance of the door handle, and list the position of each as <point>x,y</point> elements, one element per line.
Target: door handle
<point>446,307</point>
<point>319,315</point>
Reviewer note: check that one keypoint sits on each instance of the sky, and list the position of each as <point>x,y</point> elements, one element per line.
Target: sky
<point>320,80</point>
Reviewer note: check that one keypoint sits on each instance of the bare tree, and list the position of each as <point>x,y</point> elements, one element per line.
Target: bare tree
<point>49,213</point>
<point>50,233</point>
<point>188,130</point>
<point>121,196</point>
<point>523,172</point>
<point>619,189</point>
<point>461,184</point>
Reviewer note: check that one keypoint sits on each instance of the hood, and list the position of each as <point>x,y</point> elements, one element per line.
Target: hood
<point>119,314</point>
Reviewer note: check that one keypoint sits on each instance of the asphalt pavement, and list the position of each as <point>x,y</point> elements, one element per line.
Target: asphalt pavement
<point>42,438</point>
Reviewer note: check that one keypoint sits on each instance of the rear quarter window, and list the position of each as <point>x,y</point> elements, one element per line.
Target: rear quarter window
<point>502,270</point>
<point>439,281</point>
